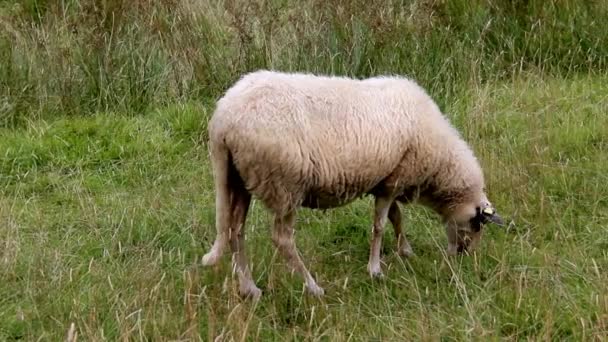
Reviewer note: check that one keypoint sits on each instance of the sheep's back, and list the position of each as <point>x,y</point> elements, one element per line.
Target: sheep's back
<point>317,148</point>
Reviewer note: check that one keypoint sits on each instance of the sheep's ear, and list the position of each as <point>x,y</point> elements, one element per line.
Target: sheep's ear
<point>489,214</point>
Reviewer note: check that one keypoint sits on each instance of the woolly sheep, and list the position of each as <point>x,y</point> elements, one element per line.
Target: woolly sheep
<point>301,140</point>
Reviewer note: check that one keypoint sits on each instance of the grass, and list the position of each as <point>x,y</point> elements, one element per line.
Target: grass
<point>68,57</point>
<point>103,221</point>
<point>106,192</point>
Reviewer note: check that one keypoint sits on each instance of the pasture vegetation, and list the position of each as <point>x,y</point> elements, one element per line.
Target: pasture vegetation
<point>106,192</point>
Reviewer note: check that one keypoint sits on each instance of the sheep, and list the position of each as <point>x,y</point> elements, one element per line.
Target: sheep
<point>296,140</point>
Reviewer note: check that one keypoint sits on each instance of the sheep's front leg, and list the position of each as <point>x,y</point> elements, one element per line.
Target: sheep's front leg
<point>283,238</point>
<point>381,210</point>
<point>403,246</point>
<point>459,242</point>
<point>452,233</point>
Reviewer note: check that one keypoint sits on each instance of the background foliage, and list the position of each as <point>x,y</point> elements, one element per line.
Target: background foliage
<point>66,57</point>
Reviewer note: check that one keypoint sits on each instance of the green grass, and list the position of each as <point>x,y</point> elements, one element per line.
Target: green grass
<point>103,220</point>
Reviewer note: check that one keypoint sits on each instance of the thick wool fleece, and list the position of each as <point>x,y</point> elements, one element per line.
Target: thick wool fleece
<point>321,142</point>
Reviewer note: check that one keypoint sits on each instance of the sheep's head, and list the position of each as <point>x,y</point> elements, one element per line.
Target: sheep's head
<point>465,228</point>
<point>485,213</point>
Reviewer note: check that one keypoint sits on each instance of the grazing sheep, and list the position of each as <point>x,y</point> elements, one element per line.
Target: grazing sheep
<point>299,140</point>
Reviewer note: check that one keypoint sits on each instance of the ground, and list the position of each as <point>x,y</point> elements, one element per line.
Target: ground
<point>104,219</point>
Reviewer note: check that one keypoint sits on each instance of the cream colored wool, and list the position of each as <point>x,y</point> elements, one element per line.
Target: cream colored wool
<point>300,140</point>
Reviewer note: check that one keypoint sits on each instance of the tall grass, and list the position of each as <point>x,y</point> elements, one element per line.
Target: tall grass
<point>65,57</point>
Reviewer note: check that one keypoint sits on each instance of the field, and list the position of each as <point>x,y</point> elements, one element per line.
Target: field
<point>106,192</point>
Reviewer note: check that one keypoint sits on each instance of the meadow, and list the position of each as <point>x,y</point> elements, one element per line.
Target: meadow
<point>106,191</point>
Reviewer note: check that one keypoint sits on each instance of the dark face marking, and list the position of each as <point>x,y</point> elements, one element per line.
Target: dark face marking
<point>483,216</point>
<point>477,221</point>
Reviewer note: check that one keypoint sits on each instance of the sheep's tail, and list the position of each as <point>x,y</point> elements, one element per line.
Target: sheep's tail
<point>222,165</point>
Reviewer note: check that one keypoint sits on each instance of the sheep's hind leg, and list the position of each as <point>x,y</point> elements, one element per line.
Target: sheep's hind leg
<point>224,188</point>
<point>283,239</point>
<point>382,206</point>
<point>239,209</point>
<point>403,245</point>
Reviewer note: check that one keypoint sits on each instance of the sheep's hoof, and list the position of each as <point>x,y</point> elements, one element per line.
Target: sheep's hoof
<point>375,272</point>
<point>452,250</point>
<point>211,258</point>
<point>406,252</point>
<point>377,275</point>
<point>315,290</point>
<point>250,292</point>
